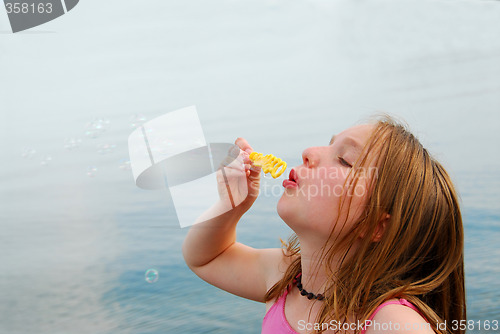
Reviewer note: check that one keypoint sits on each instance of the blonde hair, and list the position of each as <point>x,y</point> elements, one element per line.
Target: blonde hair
<point>420,254</point>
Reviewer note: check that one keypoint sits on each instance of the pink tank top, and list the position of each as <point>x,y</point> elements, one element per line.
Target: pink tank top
<point>275,321</point>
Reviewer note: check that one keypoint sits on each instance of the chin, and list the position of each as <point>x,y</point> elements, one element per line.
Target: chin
<point>288,212</point>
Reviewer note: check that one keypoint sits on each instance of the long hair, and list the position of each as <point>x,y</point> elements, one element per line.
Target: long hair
<point>420,255</point>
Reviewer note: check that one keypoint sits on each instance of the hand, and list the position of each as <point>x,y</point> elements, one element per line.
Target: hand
<point>238,182</point>
<point>252,172</point>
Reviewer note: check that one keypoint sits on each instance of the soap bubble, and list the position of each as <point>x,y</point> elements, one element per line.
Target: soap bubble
<point>105,148</point>
<point>28,153</point>
<point>125,164</point>
<point>46,160</point>
<point>137,120</point>
<point>91,171</point>
<point>72,143</point>
<point>95,128</point>
<point>151,275</point>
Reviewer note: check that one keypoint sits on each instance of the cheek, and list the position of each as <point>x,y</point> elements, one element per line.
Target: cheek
<point>317,205</point>
<point>355,200</point>
<point>327,192</point>
<point>321,203</point>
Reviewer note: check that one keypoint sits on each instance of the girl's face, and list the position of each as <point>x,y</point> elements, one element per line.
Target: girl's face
<point>310,202</point>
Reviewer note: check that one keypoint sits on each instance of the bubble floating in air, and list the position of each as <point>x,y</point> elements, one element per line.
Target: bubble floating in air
<point>46,160</point>
<point>95,128</point>
<point>125,164</point>
<point>137,120</point>
<point>72,143</point>
<point>151,275</point>
<point>91,171</point>
<point>105,148</point>
<point>28,153</point>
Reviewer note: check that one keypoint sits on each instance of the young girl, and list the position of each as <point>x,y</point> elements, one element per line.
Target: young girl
<point>378,242</point>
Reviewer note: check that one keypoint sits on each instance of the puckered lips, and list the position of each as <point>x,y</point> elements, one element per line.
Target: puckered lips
<point>292,181</point>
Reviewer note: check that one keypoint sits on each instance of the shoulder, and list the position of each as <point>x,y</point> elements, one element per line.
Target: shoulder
<point>398,318</point>
<point>277,262</point>
<point>277,267</point>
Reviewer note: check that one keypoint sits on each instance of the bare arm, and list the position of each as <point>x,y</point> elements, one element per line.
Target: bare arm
<point>211,251</point>
<point>205,241</point>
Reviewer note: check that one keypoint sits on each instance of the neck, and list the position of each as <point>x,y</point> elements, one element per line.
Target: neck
<point>315,277</point>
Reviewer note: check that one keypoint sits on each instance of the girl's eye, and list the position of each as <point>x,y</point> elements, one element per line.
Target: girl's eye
<point>345,163</point>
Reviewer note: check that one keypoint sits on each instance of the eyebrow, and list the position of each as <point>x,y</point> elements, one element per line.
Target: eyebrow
<point>331,140</point>
<point>348,141</point>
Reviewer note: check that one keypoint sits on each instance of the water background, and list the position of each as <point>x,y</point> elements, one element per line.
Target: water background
<point>285,75</point>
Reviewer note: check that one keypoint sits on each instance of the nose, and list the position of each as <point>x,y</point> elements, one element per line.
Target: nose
<point>310,157</point>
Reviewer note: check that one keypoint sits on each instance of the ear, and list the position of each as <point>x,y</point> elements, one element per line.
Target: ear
<point>382,225</point>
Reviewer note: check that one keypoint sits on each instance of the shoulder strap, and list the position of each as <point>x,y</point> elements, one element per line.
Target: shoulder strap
<point>401,301</point>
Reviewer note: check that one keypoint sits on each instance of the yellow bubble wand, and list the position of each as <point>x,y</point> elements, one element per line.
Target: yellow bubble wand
<point>269,163</point>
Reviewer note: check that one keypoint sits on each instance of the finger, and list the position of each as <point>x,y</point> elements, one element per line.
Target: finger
<point>243,145</point>
<point>246,158</point>
<point>254,173</point>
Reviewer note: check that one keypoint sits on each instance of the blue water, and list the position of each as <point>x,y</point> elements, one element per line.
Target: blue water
<point>285,75</point>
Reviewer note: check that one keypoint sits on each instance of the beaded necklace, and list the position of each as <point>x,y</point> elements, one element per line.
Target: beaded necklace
<point>303,291</point>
